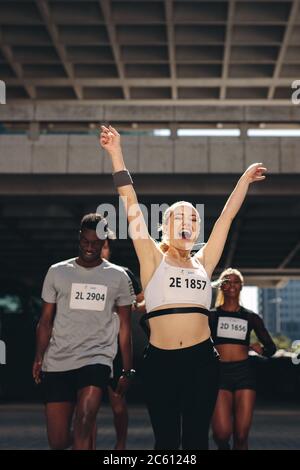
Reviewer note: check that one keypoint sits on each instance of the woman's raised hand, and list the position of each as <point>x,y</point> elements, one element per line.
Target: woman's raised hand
<point>110,139</point>
<point>254,173</point>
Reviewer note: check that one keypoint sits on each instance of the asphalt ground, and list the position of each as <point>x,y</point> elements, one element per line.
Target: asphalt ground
<point>22,426</point>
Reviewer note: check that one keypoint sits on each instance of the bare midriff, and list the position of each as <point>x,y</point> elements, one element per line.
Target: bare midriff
<point>232,352</point>
<point>180,330</point>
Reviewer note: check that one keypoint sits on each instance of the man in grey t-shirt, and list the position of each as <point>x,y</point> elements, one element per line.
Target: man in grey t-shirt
<point>77,336</point>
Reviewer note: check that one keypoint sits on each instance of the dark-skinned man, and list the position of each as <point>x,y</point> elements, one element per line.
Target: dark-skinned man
<point>77,337</point>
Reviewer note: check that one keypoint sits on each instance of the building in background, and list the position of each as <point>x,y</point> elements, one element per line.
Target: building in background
<point>281,309</point>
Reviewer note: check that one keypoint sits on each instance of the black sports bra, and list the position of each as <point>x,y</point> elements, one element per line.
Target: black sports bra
<point>169,311</point>
<point>235,328</point>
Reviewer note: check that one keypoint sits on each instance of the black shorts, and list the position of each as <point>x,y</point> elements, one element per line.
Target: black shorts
<point>117,371</point>
<point>63,386</point>
<point>238,375</point>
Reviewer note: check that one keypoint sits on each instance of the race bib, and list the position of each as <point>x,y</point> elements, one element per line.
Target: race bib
<point>184,284</point>
<point>88,297</point>
<point>234,328</point>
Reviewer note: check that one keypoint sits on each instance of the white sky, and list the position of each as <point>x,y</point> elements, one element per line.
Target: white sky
<point>249,298</point>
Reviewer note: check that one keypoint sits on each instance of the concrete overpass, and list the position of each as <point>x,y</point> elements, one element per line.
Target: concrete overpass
<point>221,51</point>
<point>142,65</point>
<point>50,176</point>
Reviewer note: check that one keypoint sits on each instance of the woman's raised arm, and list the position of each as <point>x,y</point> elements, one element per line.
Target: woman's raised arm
<point>145,246</point>
<point>211,252</point>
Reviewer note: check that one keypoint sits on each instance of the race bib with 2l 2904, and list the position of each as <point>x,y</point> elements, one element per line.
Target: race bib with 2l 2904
<point>233,328</point>
<point>88,297</point>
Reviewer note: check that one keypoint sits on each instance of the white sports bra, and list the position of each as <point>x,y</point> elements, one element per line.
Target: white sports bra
<point>177,285</point>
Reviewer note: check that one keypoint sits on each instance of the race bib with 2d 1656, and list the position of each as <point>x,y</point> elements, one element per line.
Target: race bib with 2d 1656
<point>88,297</point>
<point>234,328</point>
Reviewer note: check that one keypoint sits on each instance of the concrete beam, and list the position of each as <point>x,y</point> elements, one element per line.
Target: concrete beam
<point>290,256</point>
<point>270,283</point>
<point>150,154</point>
<point>169,12</point>
<point>44,10</point>
<point>251,102</point>
<point>89,111</point>
<point>112,34</point>
<point>227,46</point>
<point>98,185</point>
<point>150,82</point>
<point>284,45</point>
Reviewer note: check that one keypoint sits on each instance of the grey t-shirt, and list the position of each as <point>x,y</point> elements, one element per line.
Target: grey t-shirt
<point>86,327</point>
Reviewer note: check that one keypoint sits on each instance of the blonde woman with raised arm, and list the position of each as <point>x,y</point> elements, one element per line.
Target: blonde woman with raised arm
<point>180,367</point>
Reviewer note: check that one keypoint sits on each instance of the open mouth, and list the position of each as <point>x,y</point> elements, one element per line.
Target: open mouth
<point>186,234</point>
<point>89,253</point>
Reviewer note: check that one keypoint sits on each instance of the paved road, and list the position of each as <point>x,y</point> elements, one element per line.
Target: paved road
<point>22,427</point>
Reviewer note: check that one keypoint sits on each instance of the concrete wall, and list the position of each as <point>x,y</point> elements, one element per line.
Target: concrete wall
<point>81,154</point>
<point>40,111</point>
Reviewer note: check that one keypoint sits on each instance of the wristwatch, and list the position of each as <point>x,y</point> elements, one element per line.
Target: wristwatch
<point>129,374</point>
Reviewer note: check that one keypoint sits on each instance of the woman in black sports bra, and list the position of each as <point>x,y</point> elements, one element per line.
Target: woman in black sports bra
<point>231,326</point>
<point>180,367</point>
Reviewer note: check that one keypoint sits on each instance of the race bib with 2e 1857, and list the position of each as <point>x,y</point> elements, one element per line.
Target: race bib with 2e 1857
<point>88,297</point>
<point>234,328</point>
<point>184,284</point>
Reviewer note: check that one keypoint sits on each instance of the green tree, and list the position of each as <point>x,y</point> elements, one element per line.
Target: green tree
<point>281,341</point>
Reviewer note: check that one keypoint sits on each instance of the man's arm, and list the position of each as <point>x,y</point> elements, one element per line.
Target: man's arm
<point>43,335</point>
<point>125,337</point>
<point>139,304</point>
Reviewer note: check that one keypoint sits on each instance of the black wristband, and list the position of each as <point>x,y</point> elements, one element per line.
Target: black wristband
<point>122,178</point>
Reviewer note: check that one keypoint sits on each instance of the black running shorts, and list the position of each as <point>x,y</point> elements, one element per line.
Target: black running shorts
<point>64,386</point>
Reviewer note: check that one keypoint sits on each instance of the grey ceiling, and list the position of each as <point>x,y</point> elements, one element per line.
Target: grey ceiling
<point>145,50</point>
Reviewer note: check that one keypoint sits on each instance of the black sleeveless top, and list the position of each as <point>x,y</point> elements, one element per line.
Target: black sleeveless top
<point>236,327</point>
